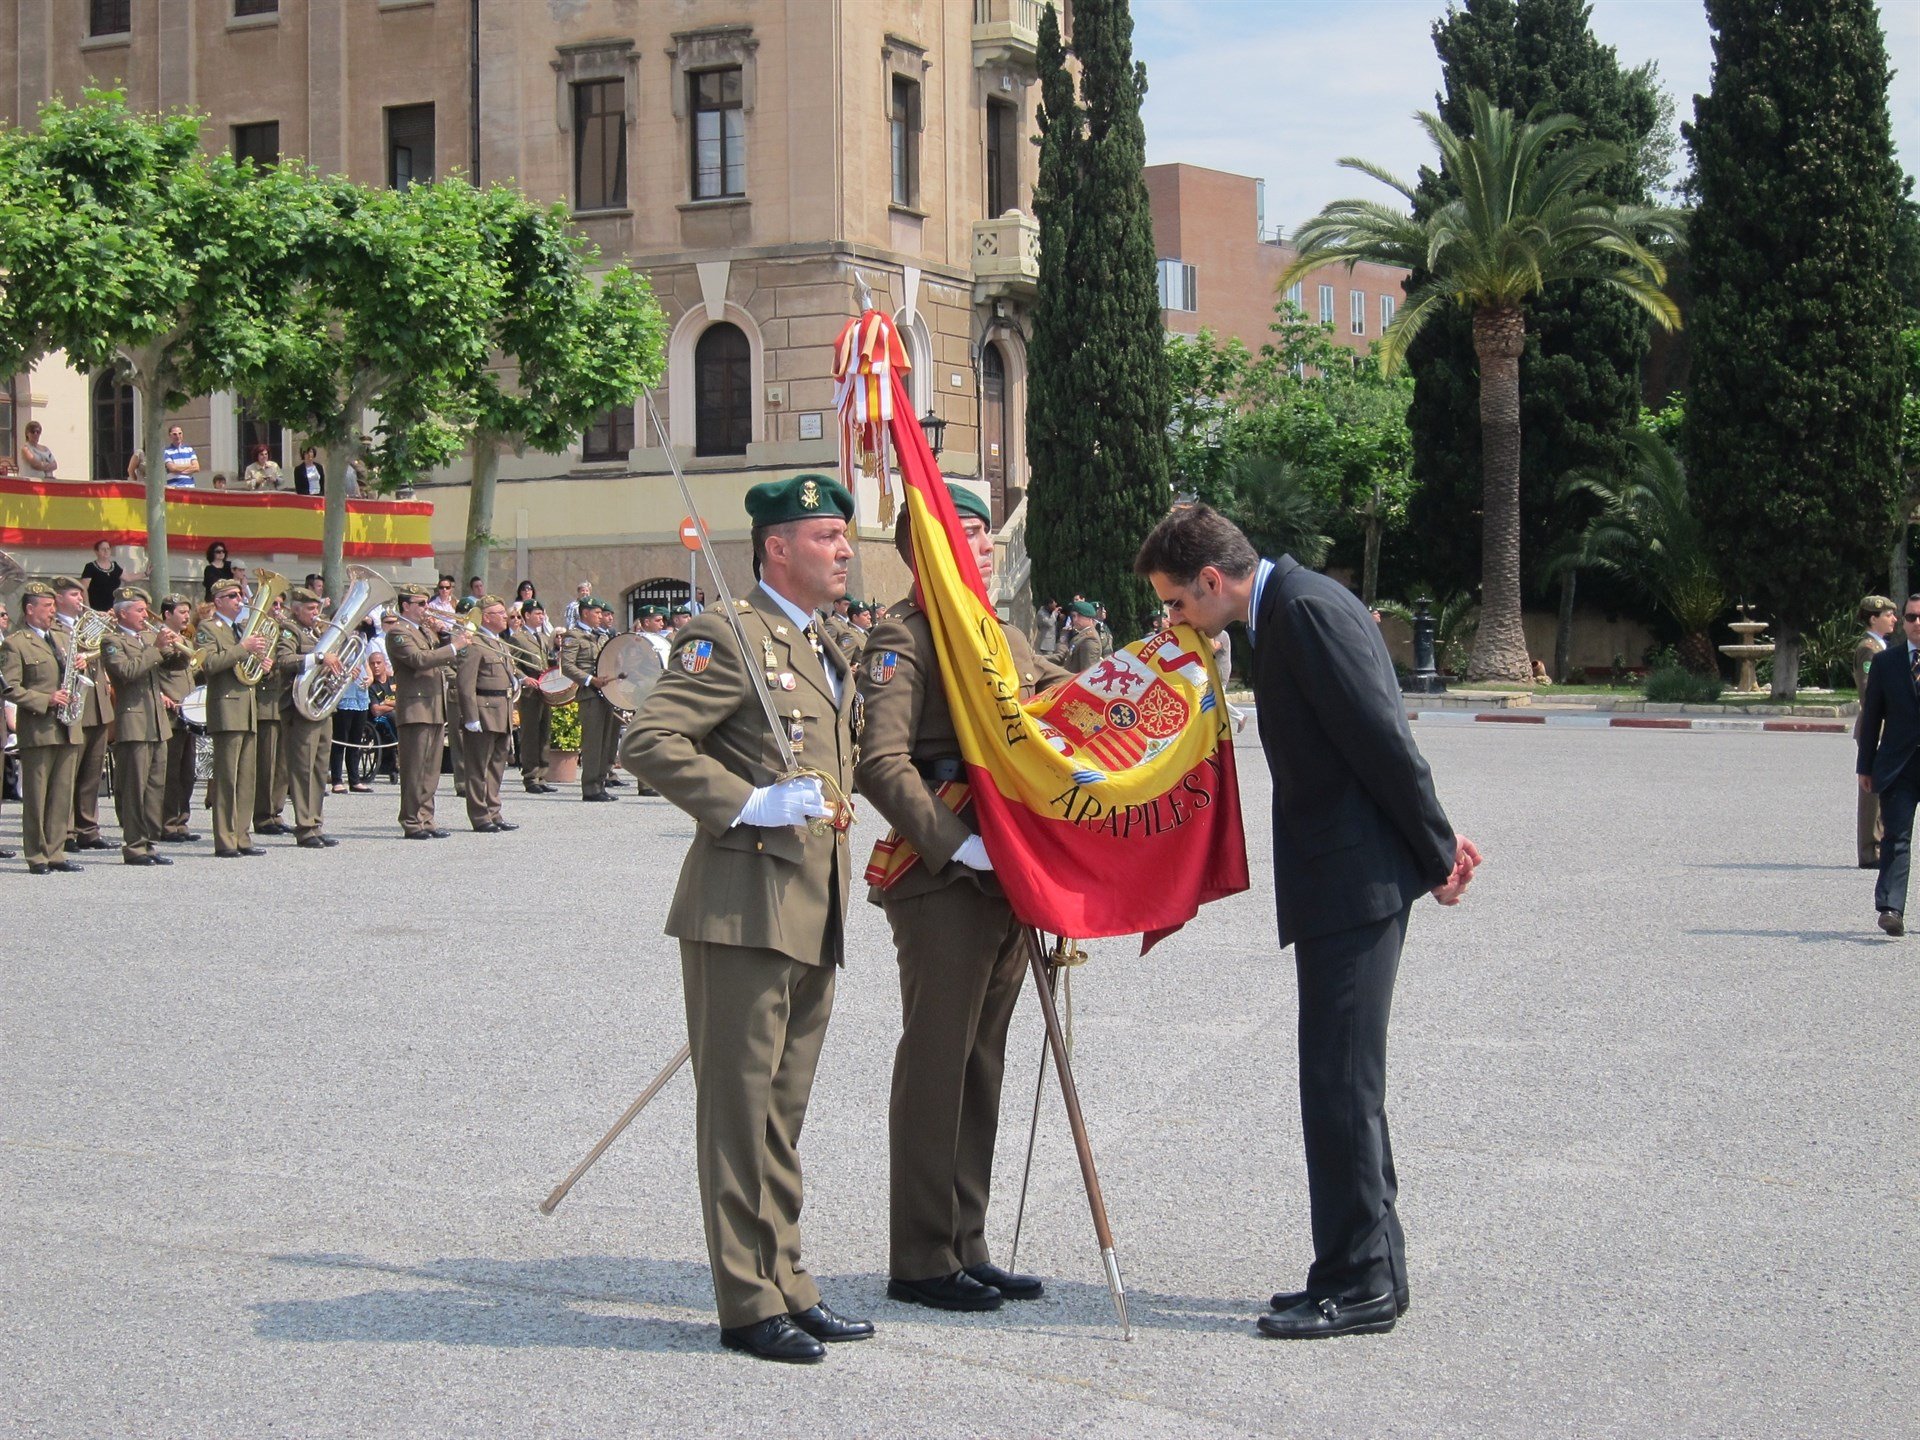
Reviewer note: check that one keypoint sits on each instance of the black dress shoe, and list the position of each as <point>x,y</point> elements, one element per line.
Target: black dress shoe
<point>66,867</point>
<point>70,845</point>
<point>1014,1287</point>
<point>1893,922</point>
<point>1323,1319</point>
<point>145,860</point>
<point>249,850</point>
<point>504,825</point>
<point>185,837</point>
<point>416,835</point>
<point>614,782</point>
<point>775,1338</point>
<point>96,843</point>
<point>602,796</point>
<point>7,854</point>
<point>958,1291</point>
<point>486,827</point>
<point>1287,1299</point>
<point>438,834</point>
<point>821,1323</point>
<point>34,867</point>
<point>318,842</point>
<point>272,827</point>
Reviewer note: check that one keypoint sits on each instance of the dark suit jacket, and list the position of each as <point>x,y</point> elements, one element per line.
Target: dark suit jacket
<point>1889,728</point>
<point>1358,833</point>
<point>302,486</point>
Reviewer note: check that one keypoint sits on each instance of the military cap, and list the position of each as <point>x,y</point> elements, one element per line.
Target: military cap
<point>1876,605</point>
<point>412,590</point>
<point>464,604</point>
<point>592,604</point>
<point>64,583</point>
<point>490,600</point>
<point>173,598</point>
<point>1086,608</point>
<point>809,496</point>
<point>225,587</point>
<point>682,610</point>
<point>127,594</point>
<point>36,590</point>
<point>968,503</point>
<point>301,595</point>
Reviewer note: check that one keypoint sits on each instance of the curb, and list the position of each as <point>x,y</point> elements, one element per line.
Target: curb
<point>1629,722</point>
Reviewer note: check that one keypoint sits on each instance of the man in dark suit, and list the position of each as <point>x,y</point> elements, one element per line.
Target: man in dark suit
<point>1889,733</point>
<point>1358,836</point>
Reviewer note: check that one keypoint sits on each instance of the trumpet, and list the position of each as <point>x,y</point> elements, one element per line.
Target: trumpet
<point>178,645</point>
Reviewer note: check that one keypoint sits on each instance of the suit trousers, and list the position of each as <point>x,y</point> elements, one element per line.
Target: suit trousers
<point>1896,816</point>
<point>139,794</point>
<point>419,753</point>
<point>307,743</point>
<point>536,727</point>
<point>271,778</point>
<point>235,774</point>
<point>86,784</point>
<point>1346,995</point>
<point>599,735</point>
<point>486,764</point>
<point>755,1022</point>
<point>962,958</point>
<point>176,811</point>
<point>46,801</point>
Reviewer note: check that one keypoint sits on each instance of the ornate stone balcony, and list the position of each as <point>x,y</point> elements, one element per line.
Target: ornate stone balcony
<point>1006,258</point>
<point>1007,32</point>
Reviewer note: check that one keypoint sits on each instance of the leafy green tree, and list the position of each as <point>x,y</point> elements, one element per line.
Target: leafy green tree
<point>1523,219</point>
<point>1274,503</point>
<point>1098,399</point>
<point>128,247</point>
<point>1909,359</point>
<point>1793,419</point>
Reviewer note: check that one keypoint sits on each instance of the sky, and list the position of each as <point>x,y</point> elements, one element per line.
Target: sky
<point>1281,89</point>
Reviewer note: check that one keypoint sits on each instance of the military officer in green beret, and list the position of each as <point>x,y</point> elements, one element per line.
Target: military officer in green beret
<point>420,658</point>
<point>232,715</point>
<point>653,629</point>
<point>176,806</point>
<point>961,953</point>
<point>1083,651</point>
<point>530,655</point>
<point>486,715</point>
<point>580,649</point>
<point>96,715</point>
<point>135,662</point>
<point>33,660</point>
<point>761,904</point>
<point>308,743</point>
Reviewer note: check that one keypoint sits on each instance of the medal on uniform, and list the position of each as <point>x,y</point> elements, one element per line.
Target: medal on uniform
<point>786,680</point>
<point>796,734</point>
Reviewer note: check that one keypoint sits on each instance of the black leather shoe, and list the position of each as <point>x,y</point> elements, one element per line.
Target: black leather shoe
<point>272,827</point>
<point>416,835</point>
<point>96,843</point>
<point>958,1291</point>
<point>775,1338</point>
<point>145,860</point>
<point>822,1324</point>
<point>318,842</point>
<point>1014,1287</point>
<point>600,797</point>
<point>1323,1319</point>
<point>438,834</point>
<point>70,845</point>
<point>65,867</point>
<point>1287,1299</point>
<point>486,827</point>
<point>34,867</point>
<point>249,850</point>
<point>545,789</point>
<point>7,854</point>
<point>1893,922</point>
<point>185,837</point>
<point>160,859</point>
<point>505,825</point>
<point>614,782</point>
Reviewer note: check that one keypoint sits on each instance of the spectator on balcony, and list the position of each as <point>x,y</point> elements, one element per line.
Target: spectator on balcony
<point>580,593</point>
<point>219,568</point>
<point>309,476</point>
<point>476,588</point>
<point>264,471</point>
<point>220,480</point>
<point>137,467</point>
<point>525,593</point>
<point>35,461</point>
<point>181,459</point>
<point>103,575</point>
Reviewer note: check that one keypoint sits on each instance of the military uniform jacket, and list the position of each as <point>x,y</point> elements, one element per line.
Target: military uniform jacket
<point>95,710</point>
<point>1084,652</point>
<point>580,653</point>
<point>419,682</point>
<point>528,652</point>
<point>31,668</point>
<point>290,654</point>
<point>907,723</point>
<point>176,681</point>
<point>135,665</point>
<point>231,704</point>
<point>700,738</point>
<point>847,635</point>
<point>272,691</point>
<point>485,677</point>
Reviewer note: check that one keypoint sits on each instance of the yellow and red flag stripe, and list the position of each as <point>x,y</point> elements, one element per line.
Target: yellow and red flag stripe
<point>1110,804</point>
<point>56,514</point>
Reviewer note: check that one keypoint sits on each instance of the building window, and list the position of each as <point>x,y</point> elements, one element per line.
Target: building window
<point>1297,296</point>
<point>719,135</point>
<point>409,146</point>
<point>259,143</point>
<point>1260,209</point>
<point>242,8</point>
<point>1326,304</point>
<point>722,392</point>
<point>1003,158</point>
<point>904,130</point>
<point>610,436</point>
<point>600,145</point>
<point>109,17</point>
<point>1179,289</point>
<point>1388,305</point>
<point>253,429</point>
<point>1358,307</point>
<point>7,439</point>
<point>661,590</point>
<point>112,426</point>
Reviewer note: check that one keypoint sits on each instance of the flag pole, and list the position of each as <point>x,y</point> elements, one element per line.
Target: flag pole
<point>1033,1133</point>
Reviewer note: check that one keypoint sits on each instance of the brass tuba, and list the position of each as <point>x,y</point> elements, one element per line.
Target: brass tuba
<point>89,629</point>
<point>317,693</point>
<point>259,619</point>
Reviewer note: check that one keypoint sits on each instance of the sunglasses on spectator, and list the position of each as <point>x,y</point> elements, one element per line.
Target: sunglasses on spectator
<point>1911,616</point>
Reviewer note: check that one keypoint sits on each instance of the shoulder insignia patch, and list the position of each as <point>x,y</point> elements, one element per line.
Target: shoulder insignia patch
<point>881,670</point>
<point>696,657</point>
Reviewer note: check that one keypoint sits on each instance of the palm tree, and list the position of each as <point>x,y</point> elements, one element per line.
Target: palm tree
<point>1647,534</point>
<point>1279,512</point>
<point>1522,221</point>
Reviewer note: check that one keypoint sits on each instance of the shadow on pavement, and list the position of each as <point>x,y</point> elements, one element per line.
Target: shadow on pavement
<point>1805,937</point>
<point>1765,865</point>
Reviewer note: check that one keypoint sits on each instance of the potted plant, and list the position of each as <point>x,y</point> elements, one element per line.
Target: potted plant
<point>563,744</point>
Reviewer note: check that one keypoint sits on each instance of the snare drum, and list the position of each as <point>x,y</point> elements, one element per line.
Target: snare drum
<point>193,709</point>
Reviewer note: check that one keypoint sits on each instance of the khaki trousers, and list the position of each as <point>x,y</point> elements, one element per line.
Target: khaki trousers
<point>176,806</point>
<point>306,743</point>
<point>1867,828</point>
<point>139,793</point>
<point>271,780</point>
<point>419,757</point>
<point>755,1021</point>
<point>962,958</point>
<point>456,741</point>
<point>235,774</point>
<point>536,728</point>
<point>486,765</point>
<point>46,801</point>
<point>599,735</point>
<point>86,784</point>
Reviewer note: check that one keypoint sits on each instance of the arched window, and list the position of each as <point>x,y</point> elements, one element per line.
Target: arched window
<point>994,436</point>
<point>661,590</point>
<point>722,391</point>
<point>112,426</point>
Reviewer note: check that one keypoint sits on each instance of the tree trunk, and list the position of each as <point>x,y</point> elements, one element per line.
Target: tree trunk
<point>1696,653</point>
<point>1786,661</point>
<point>1500,646</point>
<point>1563,635</point>
<point>152,390</point>
<point>333,536</point>
<point>1370,562</point>
<point>480,492</point>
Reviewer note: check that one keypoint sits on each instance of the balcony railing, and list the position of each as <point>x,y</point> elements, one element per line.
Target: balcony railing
<point>1006,257</point>
<point>1007,32</point>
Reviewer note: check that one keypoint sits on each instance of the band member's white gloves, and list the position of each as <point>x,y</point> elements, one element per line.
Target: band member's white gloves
<point>473,724</point>
<point>791,802</point>
<point>973,854</point>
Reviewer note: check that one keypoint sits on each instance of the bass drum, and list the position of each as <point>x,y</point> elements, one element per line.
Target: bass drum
<point>628,667</point>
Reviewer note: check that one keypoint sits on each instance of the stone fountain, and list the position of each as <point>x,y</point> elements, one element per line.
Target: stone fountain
<point>1748,651</point>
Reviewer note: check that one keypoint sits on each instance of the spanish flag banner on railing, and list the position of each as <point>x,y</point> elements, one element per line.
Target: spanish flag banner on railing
<point>1110,804</point>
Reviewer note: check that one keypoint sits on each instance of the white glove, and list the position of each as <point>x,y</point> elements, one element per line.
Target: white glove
<point>973,854</point>
<point>473,724</point>
<point>791,802</point>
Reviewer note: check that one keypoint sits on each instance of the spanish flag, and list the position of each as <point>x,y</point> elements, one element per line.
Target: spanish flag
<point>1109,804</point>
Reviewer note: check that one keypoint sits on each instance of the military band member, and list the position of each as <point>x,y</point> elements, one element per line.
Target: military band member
<point>580,649</point>
<point>135,661</point>
<point>761,904</point>
<point>96,712</point>
<point>450,674</point>
<point>308,743</point>
<point>420,708</point>
<point>961,956</point>
<point>529,644</point>
<point>653,629</point>
<point>1083,651</point>
<point>176,684</point>
<point>233,714</point>
<point>33,659</point>
<point>486,715</point>
<point>840,629</point>
<point>272,777</point>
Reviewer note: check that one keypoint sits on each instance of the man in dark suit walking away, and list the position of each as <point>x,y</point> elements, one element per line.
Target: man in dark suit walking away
<point>1889,733</point>
<point>1358,836</point>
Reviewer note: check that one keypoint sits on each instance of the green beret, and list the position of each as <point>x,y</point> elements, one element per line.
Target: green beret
<point>810,496</point>
<point>1086,608</point>
<point>653,612</point>
<point>464,604</point>
<point>36,590</point>
<point>127,594</point>
<point>968,503</point>
<point>592,604</point>
<point>301,595</point>
<point>680,610</point>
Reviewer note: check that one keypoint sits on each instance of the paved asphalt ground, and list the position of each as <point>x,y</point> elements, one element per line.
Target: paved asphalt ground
<point>272,1134</point>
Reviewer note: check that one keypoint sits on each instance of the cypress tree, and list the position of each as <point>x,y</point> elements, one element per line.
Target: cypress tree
<point>1098,399</point>
<point>1793,428</point>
